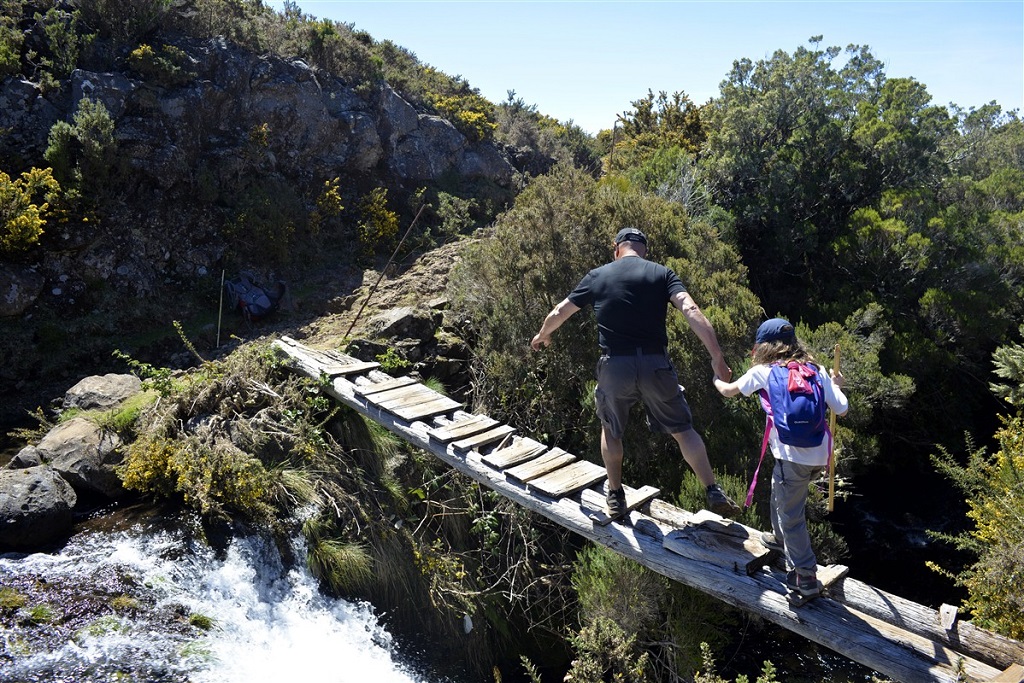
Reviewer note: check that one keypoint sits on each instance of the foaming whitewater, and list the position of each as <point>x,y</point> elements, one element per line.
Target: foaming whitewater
<point>270,622</point>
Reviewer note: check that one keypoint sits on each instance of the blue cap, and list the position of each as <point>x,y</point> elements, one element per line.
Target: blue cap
<point>776,329</point>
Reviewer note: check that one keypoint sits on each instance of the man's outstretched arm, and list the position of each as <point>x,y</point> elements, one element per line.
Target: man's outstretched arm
<point>701,326</point>
<point>558,315</point>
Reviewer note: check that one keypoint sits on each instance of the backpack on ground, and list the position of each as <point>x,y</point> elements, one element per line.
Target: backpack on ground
<point>250,299</point>
<point>794,402</point>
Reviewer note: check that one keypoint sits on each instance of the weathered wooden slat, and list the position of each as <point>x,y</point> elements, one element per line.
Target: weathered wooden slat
<point>1012,674</point>
<point>393,397</point>
<point>540,465</point>
<point>521,450</point>
<point>573,477</point>
<point>421,411</point>
<point>831,574</point>
<point>592,501</point>
<point>462,428</point>
<point>947,616</point>
<point>482,439</point>
<point>387,385</point>
<point>315,363</point>
<point>704,544</point>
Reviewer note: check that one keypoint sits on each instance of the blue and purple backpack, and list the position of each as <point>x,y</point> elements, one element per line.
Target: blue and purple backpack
<point>794,402</point>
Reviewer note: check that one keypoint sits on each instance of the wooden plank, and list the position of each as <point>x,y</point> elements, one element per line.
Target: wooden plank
<point>315,363</point>
<point>411,400</point>
<point>540,466</point>
<point>395,396</point>
<point>336,369</point>
<point>422,411</point>
<point>477,440</point>
<point>1012,674</point>
<point>387,385</point>
<point>947,616</point>
<point>463,428</point>
<point>592,501</point>
<point>704,544</point>
<point>569,479</point>
<point>520,451</point>
<point>831,574</point>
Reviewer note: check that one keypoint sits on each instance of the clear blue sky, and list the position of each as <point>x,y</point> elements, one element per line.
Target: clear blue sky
<point>588,60</point>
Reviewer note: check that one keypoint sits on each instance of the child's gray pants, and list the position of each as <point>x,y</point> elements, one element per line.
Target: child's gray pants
<point>790,482</point>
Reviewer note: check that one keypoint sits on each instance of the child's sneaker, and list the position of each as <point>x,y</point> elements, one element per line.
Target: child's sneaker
<point>616,502</point>
<point>721,504</point>
<point>769,541</point>
<point>804,585</point>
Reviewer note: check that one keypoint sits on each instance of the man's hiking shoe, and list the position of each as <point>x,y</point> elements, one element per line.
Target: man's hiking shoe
<point>805,586</point>
<point>768,540</point>
<point>616,502</point>
<point>721,504</point>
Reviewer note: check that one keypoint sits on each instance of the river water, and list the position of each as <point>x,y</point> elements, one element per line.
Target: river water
<point>269,623</point>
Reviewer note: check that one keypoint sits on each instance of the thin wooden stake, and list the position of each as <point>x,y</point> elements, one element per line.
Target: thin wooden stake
<point>832,454</point>
<point>220,310</point>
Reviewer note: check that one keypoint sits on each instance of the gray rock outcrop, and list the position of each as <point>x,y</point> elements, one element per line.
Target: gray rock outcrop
<point>102,391</point>
<point>84,454</point>
<point>35,507</point>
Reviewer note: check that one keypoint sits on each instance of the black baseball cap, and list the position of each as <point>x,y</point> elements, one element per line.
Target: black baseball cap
<point>631,235</point>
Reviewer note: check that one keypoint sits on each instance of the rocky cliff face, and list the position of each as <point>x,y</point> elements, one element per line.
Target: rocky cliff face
<point>182,148</point>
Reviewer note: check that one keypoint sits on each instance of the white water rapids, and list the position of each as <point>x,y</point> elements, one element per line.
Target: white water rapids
<point>270,623</point>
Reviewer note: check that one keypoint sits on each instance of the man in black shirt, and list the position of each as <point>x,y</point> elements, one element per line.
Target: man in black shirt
<point>630,297</point>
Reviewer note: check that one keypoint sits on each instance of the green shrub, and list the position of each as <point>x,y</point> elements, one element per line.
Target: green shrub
<point>994,488</point>
<point>11,38</point>
<point>456,214</point>
<point>471,114</point>
<point>166,65</point>
<point>124,21</point>
<point>21,216</point>
<point>604,652</point>
<point>63,39</point>
<point>377,225</point>
<point>84,152</point>
<point>213,479</point>
<point>390,361</point>
<point>268,216</point>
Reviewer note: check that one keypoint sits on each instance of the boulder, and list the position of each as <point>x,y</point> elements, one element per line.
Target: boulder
<point>35,507</point>
<point>102,392</point>
<point>405,322</point>
<point>19,289</point>
<point>84,454</point>
<point>29,456</point>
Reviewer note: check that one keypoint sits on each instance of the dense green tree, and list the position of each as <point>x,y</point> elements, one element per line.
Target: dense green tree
<point>654,123</point>
<point>796,146</point>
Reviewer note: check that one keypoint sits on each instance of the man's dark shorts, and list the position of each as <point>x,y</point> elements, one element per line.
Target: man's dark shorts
<point>624,380</point>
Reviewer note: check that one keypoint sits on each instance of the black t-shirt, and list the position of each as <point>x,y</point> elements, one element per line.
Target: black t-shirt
<point>630,297</point>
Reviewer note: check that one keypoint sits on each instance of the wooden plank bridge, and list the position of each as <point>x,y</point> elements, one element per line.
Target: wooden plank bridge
<point>900,639</point>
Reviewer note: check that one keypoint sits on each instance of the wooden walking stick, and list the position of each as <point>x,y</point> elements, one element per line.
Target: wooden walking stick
<point>832,453</point>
